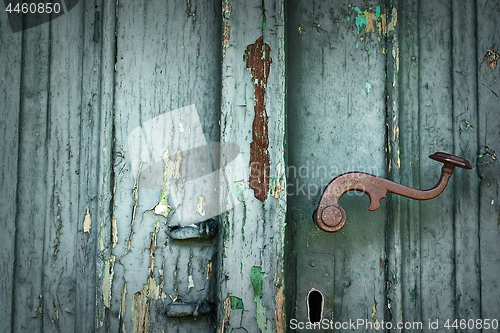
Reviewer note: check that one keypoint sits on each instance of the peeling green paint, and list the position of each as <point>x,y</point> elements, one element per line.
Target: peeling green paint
<point>236,303</point>
<point>276,184</point>
<point>141,306</point>
<point>257,278</point>
<point>171,170</point>
<point>368,87</point>
<point>375,20</point>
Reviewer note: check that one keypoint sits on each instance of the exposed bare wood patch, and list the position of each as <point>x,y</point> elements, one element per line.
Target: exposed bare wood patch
<point>279,311</point>
<point>107,281</point>
<point>171,170</point>
<point>87,223</point>
<point>143,300</point>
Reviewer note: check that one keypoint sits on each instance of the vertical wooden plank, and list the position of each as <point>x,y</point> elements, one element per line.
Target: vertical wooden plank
<point>164,63</point>
<point>437,288</point>
<point>465,185</point>
<point>403,272</point>
<point>337,123</point>
<point>425,51</point>
<point>31,196</point>
<point>251,288</point>
<point>87,217</point>
<point>61,195</point>
<point>105,103</point>
<point>11,52</point>
<point>487,162</point>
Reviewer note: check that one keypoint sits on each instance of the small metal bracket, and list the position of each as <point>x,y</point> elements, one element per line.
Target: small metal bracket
<point>182,309</point>
<point>315,287</point>
<point>201,230</point>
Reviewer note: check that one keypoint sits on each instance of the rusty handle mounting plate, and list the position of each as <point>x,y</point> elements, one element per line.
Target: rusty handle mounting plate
<point>331,217</point>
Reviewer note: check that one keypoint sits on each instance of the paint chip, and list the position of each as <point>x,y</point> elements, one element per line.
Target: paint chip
<point>492,57</point>
<point>87,222</point>
<point>374,309</point>
<point>239,189</point>
<point>190,282</point>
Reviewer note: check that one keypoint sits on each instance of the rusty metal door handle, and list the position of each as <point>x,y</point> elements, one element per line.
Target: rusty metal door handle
<point>331,217</point>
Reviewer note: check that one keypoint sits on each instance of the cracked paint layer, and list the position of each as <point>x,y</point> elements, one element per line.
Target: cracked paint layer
<point>123,307</point>
<point>107,280</point>
<point>230,303</point>
<point>257,278</point>
<point>239,190</point>
<point>143,299</point>
<point>276,184</point>
<point>258,60</point>
<point>171,170</point>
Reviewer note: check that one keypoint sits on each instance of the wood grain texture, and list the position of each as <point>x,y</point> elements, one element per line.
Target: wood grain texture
<point>10,86</point>
<point>164,62</point>
<point>31,195</point>
<point>336,123</point>
<point>251,244</point>
<point>466,183</point>
<point>61,194</point>
<point>487,161</point>
<point>371,86</point>
<point>437,288</point>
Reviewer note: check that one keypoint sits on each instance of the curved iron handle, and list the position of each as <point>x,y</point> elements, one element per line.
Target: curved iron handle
<point>331,217</point>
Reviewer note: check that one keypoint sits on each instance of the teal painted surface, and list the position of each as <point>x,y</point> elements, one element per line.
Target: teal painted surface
<point>426,260</point>
<point>374,87</point>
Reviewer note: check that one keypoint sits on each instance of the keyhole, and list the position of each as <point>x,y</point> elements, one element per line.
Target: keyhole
<point>315,305</point>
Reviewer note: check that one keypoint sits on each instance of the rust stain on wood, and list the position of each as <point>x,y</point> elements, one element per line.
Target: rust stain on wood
<point>258,60</point>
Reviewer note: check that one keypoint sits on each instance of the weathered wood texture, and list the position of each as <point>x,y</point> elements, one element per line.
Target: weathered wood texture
<point>251,286</point>
<point>52,288</point>
<point>438,243</point>
<point>437,258</point>
<point>336,123</point>
<point>488,124</point>
<point>164,62</point>
<point>10,74</point>
<point>372,86</point>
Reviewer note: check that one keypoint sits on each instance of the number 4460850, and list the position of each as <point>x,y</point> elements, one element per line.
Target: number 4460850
<point>478,324</point>
<point>34,8</point>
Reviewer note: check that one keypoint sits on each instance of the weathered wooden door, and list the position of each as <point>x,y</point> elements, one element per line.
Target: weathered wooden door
<point>123,122</point>
<point>377,87</point>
